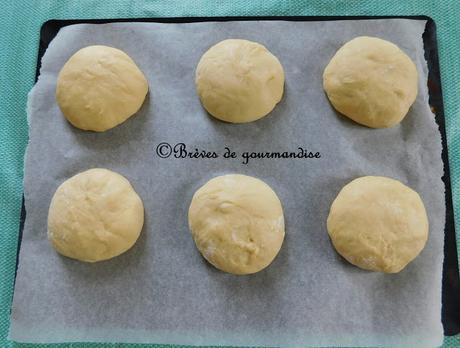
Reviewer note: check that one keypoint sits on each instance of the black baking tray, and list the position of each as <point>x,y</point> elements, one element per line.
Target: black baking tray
<point>451,279</point>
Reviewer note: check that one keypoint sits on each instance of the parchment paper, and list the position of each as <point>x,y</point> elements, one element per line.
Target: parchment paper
<point>162,290</point>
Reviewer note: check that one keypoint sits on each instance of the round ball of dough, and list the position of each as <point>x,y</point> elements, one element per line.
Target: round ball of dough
<point>378,224</point>
<point>239,81</point>
<point>100,87</point>
<point>94,216</point>
<point>237,223</point>
<point>371,81</point>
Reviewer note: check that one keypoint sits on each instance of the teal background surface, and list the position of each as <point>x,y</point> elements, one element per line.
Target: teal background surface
<point>20,24</point>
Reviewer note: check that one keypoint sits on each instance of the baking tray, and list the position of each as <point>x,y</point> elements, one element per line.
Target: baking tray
<point>450,315</point>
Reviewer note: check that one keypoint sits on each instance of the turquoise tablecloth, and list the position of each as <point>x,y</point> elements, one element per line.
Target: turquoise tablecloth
<point>19,36</point>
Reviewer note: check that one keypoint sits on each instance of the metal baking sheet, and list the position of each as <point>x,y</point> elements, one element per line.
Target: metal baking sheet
<point>257,169</point>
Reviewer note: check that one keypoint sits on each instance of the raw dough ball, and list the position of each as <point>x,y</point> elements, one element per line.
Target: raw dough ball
<point>94,216</point>
<point>100,87</point>
<point>371,81</point>
<point>237,223</point>
<point>239,81</point>
<point>378,224</point>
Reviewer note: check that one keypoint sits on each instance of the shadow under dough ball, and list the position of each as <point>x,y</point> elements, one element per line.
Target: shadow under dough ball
<point>94,216</point>
<point>100,87</point>
<point>239,81</point>
<point>371,81</point>
<point>237,223</point>
<point>378,224</point>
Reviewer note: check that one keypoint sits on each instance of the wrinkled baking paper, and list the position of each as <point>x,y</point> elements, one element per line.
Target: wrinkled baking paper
<point>162,290</point>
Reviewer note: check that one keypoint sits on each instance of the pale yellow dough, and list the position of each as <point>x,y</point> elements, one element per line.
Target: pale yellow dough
<point>371,81</point>
<point>239,81</point>
<point>100,87</point>
<point>378,224</point>
<point>94,216</point>
<point>237,223</point>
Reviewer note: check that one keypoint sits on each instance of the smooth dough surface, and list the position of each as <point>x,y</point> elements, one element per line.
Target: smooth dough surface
<point>378,224</point>
<point>100,87</point>
<point>237,223</point>
<point>371,81</point>
<point>94,216</point>
<point>239,81</point>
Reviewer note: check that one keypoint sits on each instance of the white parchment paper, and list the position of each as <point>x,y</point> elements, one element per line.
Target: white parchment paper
<point>162,290</point>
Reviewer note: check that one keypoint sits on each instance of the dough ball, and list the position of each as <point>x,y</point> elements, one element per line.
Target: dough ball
<point>94,216</point>
<point>239,81</point>
<point>237,223</point>
<point>371,81</point>
<point>100,87</point>
<point>378,224</point>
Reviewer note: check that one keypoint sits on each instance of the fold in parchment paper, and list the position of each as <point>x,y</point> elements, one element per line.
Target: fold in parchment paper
<point>162,290</point>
